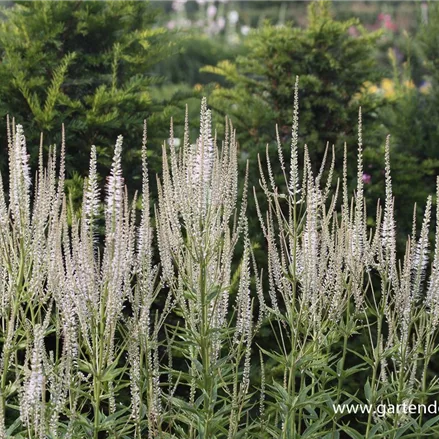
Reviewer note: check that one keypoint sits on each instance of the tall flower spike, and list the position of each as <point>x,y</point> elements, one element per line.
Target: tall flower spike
<point>91,206</point>
<point>144,231</point>
<point>294,188</point>
<point>115,181</point>
<point>204,151</point>
<point>62,165</point>
<point>24,157</point>
<point>40,161</point>
<point>359,204</point>
<point>345,207</point>
<point>3,207</point>
<point>322,165</point>
<point>32,391</point>
<point>20,180</point>
<point>279,150</point>
<point>202,158</point>
<point>388,238</point>
<point>420,259</point>
<point>329,179</point>
<point>186,142</point>
<point>432,298</point>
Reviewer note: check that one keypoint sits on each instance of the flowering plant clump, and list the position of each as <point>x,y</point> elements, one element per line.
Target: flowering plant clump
<point>151,332</point>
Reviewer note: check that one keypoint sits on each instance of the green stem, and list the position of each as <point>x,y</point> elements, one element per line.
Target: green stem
<point>97,403</point>
<point>343,359</point>
<point>372,401</point>
<point>10,324</point>
<point>99,362</point>
<point>292,372</point>
<point>374,373</point>
<point>424,373</point>
<point>205,348</point>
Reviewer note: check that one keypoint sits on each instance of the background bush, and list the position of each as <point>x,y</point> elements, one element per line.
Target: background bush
<point>88,65</point>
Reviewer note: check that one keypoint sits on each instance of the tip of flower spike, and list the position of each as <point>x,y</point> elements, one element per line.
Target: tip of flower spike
<point>115,180</point>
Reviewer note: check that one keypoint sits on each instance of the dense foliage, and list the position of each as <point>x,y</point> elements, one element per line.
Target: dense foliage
<point>412,116</point>
<point>333,67</point>
<point>84,64</point>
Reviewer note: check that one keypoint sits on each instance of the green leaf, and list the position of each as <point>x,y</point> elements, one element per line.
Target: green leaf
<point>353,434</point>
<point>428,424</point>
<point>368,391</point>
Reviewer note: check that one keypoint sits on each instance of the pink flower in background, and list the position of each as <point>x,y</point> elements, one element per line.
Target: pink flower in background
<point>211,11</point>
<point>386,21</point>
<point>353,31</point>
<point>367,178</point>
<point>221,23</point>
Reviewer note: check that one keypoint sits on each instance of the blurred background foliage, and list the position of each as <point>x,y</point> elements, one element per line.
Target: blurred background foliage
<point>88,65</point>
<point>102,67</point>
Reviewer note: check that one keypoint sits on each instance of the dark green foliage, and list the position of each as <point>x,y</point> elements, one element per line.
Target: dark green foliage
<point>84,64</point>
<point>411,119</point>
<point>332,65</point>
<point>415,159</point>
<point>196,51</point>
